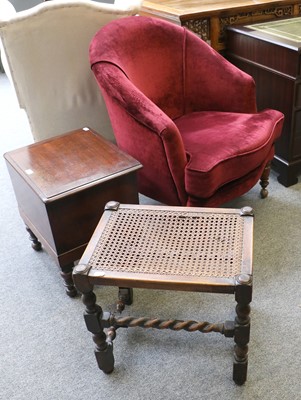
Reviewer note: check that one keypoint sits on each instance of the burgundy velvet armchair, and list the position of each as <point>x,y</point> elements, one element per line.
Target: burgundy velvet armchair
<point>186,113</point>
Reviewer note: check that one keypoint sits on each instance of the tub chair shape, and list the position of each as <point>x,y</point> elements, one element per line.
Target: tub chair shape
<point>186,113</point>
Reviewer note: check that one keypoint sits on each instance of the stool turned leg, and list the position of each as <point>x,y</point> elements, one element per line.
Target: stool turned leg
<point>66,274</point>
<point>35,244</point>
<point>243,296</point>
<point>93,318</point>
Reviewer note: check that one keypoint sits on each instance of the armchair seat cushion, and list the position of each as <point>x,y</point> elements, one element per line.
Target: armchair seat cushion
<point>222,147</point>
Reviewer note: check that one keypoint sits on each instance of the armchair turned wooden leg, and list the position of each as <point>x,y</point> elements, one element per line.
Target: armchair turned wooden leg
<point>264,181</point>
<point>125,297</point>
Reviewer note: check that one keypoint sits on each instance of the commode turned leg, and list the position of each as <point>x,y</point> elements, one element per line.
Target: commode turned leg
<point>35,244</point>
<point>66,271</point>
<point>66,274</point>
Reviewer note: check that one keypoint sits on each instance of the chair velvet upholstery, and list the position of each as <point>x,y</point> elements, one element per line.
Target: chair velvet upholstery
<point>186,113</point>
<point>47,52</point>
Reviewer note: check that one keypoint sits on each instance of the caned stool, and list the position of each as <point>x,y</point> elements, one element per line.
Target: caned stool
<point>169,248</point>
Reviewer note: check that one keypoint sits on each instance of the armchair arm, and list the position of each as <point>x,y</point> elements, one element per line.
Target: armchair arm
<point>114,83</point>
<point>143,129</point>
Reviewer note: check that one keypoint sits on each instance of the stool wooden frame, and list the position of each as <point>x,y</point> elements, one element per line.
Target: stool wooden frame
<point>168,248</point>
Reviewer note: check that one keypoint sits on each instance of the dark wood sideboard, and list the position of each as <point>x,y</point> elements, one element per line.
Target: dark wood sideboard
<point>270,52</point>
<point>209,18</point>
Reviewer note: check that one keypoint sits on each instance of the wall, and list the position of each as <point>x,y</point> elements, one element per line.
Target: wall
<point>24,4</point>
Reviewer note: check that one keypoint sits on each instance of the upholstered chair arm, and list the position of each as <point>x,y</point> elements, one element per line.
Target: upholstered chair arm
<point>113,82</point>
<point>164,139</point>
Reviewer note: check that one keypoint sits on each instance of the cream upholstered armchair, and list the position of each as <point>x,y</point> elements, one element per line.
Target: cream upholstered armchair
<point>46,57</point>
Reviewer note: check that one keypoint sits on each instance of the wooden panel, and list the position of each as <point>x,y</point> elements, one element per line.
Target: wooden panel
<point>274,62</point>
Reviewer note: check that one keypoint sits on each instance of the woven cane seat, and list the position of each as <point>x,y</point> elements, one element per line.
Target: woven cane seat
<point>169,244</point>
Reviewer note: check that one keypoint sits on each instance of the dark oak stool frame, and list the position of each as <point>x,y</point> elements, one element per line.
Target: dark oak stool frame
<point>169,248</point>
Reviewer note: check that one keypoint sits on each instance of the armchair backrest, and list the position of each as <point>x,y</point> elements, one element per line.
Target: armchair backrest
<point>47,53</point>
<point>172,67</point>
